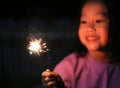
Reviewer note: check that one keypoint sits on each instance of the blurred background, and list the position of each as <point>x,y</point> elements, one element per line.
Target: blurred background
<point>54,21</point>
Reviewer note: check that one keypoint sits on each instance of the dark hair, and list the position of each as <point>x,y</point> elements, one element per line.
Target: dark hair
<point>113,14</point>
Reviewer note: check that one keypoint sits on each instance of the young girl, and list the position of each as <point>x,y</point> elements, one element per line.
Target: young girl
<point>96,68</point>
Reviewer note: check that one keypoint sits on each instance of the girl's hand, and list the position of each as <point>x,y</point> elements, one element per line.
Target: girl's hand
<point>51,80</point>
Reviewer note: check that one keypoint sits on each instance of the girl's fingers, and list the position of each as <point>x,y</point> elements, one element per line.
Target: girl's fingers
<point>48,73</point>
<point>50,78</point>
<point>51,83</point>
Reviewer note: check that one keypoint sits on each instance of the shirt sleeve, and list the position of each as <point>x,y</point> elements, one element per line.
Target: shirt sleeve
<point>65,71</point>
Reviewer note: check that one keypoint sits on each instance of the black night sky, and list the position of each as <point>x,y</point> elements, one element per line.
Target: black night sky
<point>41,8</point>
<point>52,18</point>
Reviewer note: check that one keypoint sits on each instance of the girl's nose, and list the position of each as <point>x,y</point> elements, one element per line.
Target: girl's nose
<point>91,28</point>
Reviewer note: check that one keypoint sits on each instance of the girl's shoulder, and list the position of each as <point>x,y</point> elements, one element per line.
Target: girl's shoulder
<point>75,56</point>
<point>71,60</point>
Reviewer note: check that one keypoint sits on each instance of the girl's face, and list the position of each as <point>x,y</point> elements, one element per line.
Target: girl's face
<point>94,24</point>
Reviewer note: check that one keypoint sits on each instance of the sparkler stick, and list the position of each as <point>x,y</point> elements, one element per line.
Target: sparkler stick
<point>38,46</point>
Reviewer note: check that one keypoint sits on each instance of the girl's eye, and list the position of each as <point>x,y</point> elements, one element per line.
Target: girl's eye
<point>99,21</point>
<point>83,22</point>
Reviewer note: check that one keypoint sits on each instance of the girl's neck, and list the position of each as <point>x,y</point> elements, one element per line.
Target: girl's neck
<point>100,56</point>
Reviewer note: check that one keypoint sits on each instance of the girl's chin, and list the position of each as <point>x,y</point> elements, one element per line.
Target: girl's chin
<point>93,48</point>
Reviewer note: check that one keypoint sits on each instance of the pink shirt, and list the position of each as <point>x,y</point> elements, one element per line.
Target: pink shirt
<point>86,72</point>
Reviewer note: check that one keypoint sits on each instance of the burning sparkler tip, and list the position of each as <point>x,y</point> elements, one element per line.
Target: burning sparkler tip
<point>37,46</point>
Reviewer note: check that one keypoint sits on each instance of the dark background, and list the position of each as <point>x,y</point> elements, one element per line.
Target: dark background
<point>41,8</point>
<point>53,20</point>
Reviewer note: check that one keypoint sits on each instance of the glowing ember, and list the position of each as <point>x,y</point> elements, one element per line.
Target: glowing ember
<point>37,46</point>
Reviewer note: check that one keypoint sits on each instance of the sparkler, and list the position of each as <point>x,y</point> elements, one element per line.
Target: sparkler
<point>37,46</point>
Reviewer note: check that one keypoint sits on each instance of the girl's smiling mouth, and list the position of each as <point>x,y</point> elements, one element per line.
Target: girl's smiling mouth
<point>91,37</point>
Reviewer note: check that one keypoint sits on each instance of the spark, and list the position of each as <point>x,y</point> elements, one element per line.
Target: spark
<point>37,46</point>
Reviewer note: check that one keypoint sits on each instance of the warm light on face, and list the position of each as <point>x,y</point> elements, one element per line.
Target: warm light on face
<point>94,26</point>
